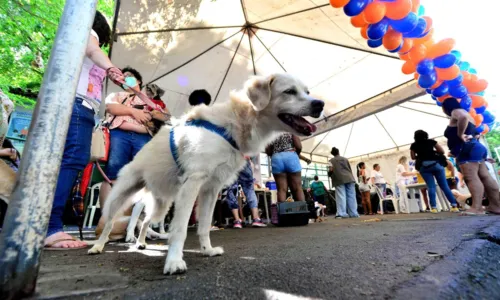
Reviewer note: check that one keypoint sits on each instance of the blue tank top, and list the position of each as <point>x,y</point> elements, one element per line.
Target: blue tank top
<point>454,142</point>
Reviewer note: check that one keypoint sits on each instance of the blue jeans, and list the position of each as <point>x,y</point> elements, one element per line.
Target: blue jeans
<point>124,145</point>
<point>285,162</point>
<point>245,179</point>
<point>431,170</point>
<point>345,196</point>
<point>76,156</point>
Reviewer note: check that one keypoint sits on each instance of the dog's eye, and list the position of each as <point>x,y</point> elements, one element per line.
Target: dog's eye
<point>307,92</point>
<point>290,92</point>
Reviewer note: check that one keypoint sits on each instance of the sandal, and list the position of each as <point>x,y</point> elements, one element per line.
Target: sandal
<point>50,246</point>
<point>471,214</point>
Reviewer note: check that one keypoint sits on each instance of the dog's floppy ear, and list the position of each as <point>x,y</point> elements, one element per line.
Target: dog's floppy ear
<point>258,90</point>
<point>160,91</point>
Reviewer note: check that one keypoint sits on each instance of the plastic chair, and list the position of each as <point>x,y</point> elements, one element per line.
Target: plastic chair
<point>92,205</point>
<point>383,198</point>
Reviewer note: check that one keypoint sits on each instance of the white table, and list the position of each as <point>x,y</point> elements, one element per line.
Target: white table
<point>264,191</point>
<point>442,203</point>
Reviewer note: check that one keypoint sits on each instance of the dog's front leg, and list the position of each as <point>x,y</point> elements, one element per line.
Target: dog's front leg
<point>136,212</point>
<point>208,199</point>
<point>184,202</point>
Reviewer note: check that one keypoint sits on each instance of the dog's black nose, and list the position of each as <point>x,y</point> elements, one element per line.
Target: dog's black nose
<point>317,104</point>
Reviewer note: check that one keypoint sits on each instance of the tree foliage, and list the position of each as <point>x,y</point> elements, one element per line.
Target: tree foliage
<point>27,32</point>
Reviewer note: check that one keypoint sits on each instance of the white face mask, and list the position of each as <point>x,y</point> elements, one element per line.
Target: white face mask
<point>130,82</point>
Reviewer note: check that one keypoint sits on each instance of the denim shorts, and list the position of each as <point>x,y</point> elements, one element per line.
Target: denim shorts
<point>285,162</point>
<point>472,152</point>
<point>124,145</point>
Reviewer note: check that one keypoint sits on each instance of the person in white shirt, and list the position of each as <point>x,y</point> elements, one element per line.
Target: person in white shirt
<point>378,179</point>
<point>402,174</point>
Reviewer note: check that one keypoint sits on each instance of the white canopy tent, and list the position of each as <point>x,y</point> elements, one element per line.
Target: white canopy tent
<point>183,45</point>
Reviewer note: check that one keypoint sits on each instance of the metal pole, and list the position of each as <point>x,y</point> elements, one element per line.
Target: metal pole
<point>22,237</point>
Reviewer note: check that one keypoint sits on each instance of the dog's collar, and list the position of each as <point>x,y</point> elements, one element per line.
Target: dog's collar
<point>221,131</point>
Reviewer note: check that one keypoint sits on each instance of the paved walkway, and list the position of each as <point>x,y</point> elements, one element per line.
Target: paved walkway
<point>418,256</point>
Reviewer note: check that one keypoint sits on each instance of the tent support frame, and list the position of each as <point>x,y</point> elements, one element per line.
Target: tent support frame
<point>267,49</point>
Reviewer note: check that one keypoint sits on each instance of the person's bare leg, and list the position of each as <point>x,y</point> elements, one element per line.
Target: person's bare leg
<point>295,182</point>
<point>236,214</point>
<point>365,204</point>
<point>490,188</point>
<point>426,198</point>
<point>255,213</point>
<point>369,203</point>
<point>476,188</point>
<point>281,185</point>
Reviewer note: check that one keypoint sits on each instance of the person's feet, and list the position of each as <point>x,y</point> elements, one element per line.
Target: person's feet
<point>455,210</point>
<point>258,223</point>
<point>63,240</point>
<point>434,211</point>
<point>473,212</point>
<point>237,224</point>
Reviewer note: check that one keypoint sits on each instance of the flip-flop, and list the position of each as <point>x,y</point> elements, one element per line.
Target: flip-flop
<point>471,214</point>
<point>50,247</point>
<point>492,213</point>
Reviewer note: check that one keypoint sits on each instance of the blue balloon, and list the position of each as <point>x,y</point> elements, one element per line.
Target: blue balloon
<point>426,81</point>
<point>439,103</point>
<point>434,98</point>
<point>425,67</point>
<point>466,103</point>
<point>441,90</point>
<point>377,31</point>
<point>445,61</point>
<point>480,109</point>
<point>397,49</point>
<point>472,71</point>
<point>458,91</point>
<point>406,24</point>
<point>481,93</point>
<point>428,91</point>
<point>418,31</point>
<point>374,43</point>
<point>464,66</point>
<point>355,7</point>
<point>458,55</point>
<point>421,11</point>
<point>488,117</point>
<point>456,81</point>
<point>479,128</point>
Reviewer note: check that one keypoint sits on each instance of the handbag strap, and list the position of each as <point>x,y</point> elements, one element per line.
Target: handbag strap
<point>112,120</point>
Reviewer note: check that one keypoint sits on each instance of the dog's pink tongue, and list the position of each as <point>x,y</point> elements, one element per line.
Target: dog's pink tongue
<point>312,127</point>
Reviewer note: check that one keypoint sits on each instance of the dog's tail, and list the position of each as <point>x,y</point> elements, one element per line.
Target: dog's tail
<point>121,197</point>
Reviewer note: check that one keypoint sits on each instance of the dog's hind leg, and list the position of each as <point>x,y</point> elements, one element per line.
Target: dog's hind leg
<point>149,209</point>
<point>132,224</point>
<point>207,201</point>
<point>184,202</point>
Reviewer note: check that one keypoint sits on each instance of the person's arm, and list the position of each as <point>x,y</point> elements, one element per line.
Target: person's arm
<point>307,160</point>
<point>412,154</point>
<point>439,149</point>
<point>117,109</point>
<point>8,152</point>
<point>462,121</point>
<point>269,150</point>
<point>98,57</point>
<point>450,167</point>
<point>297,144</point>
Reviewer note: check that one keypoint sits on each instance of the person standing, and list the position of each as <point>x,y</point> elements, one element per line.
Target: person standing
<point>364,188</point>
<point>343,180</point>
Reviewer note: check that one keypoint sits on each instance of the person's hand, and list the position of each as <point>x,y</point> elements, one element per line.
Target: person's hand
<point>308,161</point>
<point>490,160</point>
<point>141,115</point>
<point>115,75</point>
<point>13,155</point>
<point>450,155</point>
<point>466,137</point>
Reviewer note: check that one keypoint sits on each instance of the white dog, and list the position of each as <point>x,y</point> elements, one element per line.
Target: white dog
<point>201,157</point>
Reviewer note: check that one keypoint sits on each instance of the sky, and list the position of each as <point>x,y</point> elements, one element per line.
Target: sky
<point>472,24</point>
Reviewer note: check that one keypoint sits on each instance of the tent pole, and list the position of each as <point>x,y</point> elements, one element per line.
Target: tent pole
<point>386,131</point>
<point>349,138</point>
<point>424,112</point>
<point>229,67</point>
<point>178,29</point>
<point>23,235</point>
<point>267,49</point>
<point>293,13</point>
<point>251,51</point>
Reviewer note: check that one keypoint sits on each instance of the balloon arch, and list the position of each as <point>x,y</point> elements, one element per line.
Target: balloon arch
<point>402,27</point>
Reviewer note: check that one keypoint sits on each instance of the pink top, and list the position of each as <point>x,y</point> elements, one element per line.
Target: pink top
<point>130,102</point>
<point>91,78</point>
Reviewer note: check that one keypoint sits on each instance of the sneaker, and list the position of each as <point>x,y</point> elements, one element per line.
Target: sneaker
<point>455,210</point>
<point>214,228</point>
<point>258,223</point>
<point>237,225</point>
<point>434,211</point>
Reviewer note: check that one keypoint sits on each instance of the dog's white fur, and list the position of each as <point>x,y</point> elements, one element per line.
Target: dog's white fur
<point>208,161</point>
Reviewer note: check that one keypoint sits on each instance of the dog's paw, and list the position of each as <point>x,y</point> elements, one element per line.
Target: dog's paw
<point>163,236</point>
<point>130,238</point>
<point>215,251</point>
<point>141,246</point>
<point>97,249</point>
<point>173,267</point>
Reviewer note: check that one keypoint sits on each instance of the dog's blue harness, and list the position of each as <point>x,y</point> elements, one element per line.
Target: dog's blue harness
<point>221,131</point>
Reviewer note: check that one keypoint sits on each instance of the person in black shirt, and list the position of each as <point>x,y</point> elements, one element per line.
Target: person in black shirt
<point>427,154</point>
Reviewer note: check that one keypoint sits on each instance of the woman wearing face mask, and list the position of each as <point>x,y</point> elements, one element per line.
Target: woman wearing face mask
<point>128,135</point>
<point>470,156</point>
<point>96,65</point>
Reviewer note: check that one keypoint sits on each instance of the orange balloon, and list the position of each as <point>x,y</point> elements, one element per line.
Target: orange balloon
<point>477,101</point>
<point>358,21</point>
<point>438,83</point>
<point>449,73</point>
<point>415,6</point>
<point>474,77</point>
<point>339,3</point>
<point>398,9</point>
<point>427,40</point>
<point>363,32</point>
<point>479,119</point>
<point>405,56</point>
<point>416,76</point>
<point>374,12</point>
<point>428,20</point>
<point>473,113</point>
<point>392,39</point>
<point>441,99</point>
<point>486,129</point>
<point>407,45</point>
<point>478,86</point>
<point>466,75</point>
<point>441,48</point>
<point>418,53</point>
<point>408,68</point>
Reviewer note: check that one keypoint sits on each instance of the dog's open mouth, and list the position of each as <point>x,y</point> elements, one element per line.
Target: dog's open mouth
<point>298,123</point>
